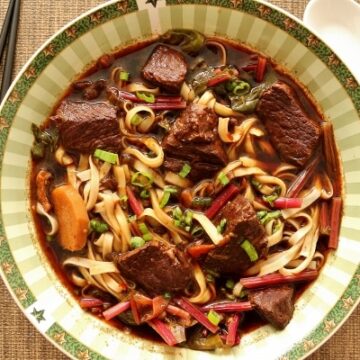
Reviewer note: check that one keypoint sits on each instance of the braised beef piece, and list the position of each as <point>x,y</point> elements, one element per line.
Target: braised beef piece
<point>166,68</point>
<point>242,224</point>
<point>193,138</point>
<point>275,304</point>
<point>293,133</point>
<point>156,267</point>
<point>86,126</point>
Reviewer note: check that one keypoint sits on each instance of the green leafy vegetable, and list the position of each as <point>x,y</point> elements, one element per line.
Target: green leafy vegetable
<point>190,41</point>
<point>214,317</point>
<point>250,250</point>
<point>136,120</point>
<point>98,226</point>
<point>124,76</point>
<point>247,103</point>
<point>44,139</point>
<point>224,180</point>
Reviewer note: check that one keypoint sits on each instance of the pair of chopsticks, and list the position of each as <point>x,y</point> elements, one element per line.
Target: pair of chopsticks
<point>8,35</point>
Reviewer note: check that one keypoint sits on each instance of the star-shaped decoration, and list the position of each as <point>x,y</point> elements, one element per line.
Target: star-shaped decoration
<point>351,83</point>
<point>49,50</point>
<point>122,6</point>
<point>152,2</point>
<point>38,315</point>
<point>83,355</point>
<point>333,60</point>
<point>236,3</point>
<point>264,11</point>
<point>30,72</point>
<point>3,125</point>
<point>96,17</point>
<point>329,325</point>
<point>347,303</point>
<point>60,338</point>
<point>21,294</point>
<point>289,24</point>
<point>312,40</point>
<point>308,345</point>
<point>7,267</point>
<point>71,32</point>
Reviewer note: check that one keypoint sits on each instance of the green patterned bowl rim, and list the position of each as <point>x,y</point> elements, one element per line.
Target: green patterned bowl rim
<point>309,59</point>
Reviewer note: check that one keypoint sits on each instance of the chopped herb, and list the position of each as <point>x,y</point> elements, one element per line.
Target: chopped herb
<point>224,180</point>
<point>250,250</point>
<point>107,156</point>
<point>171,189</point>
<point>276,227</point>
<point>123,198</point>
<point>147,97</point>
<point>221,227</point>
<point>136,242</point>
<point>142,179</point>
<point>190,41</point>
<point>185,171</point>
<point>243,294</point>
<point>188,217</point>
<point>165,199</point>
<point>177,223</point>
<point>136,120</point>
<point>230,283</point>
<point>270,198</point>
<point>177,213</point>
<point>167,295</point>
<point>214,317</point>
<point>124,76</point>
<point>98,226</point>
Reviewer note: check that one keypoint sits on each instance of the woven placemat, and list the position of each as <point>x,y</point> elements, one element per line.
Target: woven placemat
<point>18,338</point>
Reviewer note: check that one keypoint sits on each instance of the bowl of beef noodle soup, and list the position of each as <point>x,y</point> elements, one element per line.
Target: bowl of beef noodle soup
<point>185,186</point>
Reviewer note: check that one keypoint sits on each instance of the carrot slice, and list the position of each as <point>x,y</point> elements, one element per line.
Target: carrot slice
<point>70,211</point>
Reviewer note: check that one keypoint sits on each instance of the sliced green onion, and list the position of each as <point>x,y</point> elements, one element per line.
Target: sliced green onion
<point>188,217</point>
<point>143,228</point>
<point>147,237</point>
<point>165,199</point>
<point>136,120</point>
<point>230,283</point>
<point>241,88</point>
<point>221,227</point>
<point>214,317</point>
<point>201,201</point>
<point>177,223</point>
<point>185,171</point>
<point>142,179</point>
<point>106,156</point>
<point>144,194</point>
<point>136,242</point>
<point>124,76</point>
<point>171,189</point>
<point>266,216</point>
<point>167,295</point>
<point>197,231</point>
<point>147,97</point>
<point>224,180</point>
<point>98,226</point>
<point>270,198</point>
<point>123,198</point>
<point>177,213</point>
<point>251,252</point>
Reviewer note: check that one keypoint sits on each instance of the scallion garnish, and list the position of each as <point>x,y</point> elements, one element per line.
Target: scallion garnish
<point>168,190</point>
<point>177,213</point>
<point>144,194</point>
<point>107,156</point>
<point>98,226</point>
<point>185,171</point>
<point>214,317</point>
<point>251,252</point>
<point>136,242</point>
<point>147,237</point>
<point>147,97</point>
<point>224,180</point>
<point>136,120</point>
<point>230,283</point>
<point>265,216</point>
<point>221,227</point>
<point>188,217</point>
<point>142,179</point>
<point>124,76</point>
<point>270,198</point>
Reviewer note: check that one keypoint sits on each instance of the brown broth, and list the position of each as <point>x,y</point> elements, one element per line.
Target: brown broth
<point>132,59</point>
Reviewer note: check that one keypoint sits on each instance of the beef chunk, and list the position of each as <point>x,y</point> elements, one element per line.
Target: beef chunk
<point>86,126</point>
<point>156,267</point>
<point>275,304</point>
<point>293,133</point>
<point>194,138</point>
<point>166,68</point>
<point>242,224</point>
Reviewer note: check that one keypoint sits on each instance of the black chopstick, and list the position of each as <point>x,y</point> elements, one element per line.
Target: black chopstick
<point>6,27</point>
<point>9,62</point>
